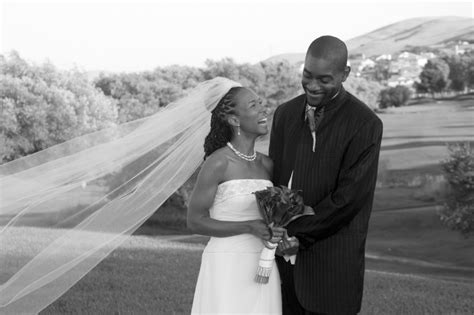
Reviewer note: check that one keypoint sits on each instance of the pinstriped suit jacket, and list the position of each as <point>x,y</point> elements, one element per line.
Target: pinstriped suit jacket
<point>338,181</point>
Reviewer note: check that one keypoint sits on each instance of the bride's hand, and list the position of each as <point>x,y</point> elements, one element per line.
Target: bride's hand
<point>260,229</point>
<point>277,234</point>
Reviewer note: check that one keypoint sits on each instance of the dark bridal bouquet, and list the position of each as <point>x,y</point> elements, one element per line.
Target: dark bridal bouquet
<point>278,206</point>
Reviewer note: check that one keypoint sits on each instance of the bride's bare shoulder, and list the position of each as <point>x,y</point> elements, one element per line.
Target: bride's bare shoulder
<point>217,161</point>
<point>267,162</point>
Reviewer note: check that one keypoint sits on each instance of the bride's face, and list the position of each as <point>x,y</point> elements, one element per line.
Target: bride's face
<point>251,113</point>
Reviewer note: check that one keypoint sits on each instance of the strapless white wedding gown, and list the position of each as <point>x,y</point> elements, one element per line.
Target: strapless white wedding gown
<point>226,279</point>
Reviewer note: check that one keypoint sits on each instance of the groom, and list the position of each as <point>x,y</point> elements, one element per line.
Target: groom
<point>326,143</point>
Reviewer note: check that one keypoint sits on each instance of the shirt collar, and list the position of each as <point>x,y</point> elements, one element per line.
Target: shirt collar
<point>334,103</point>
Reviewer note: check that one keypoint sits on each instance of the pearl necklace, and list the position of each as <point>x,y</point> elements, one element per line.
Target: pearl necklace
<point>249,158</point>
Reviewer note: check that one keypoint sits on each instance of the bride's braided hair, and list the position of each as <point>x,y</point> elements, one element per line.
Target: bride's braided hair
<point>221,132</point>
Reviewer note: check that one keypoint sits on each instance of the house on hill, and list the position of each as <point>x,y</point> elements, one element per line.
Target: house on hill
<point>401,80</point>
<point>361,65</point>
<point>405,69</point>
<point>384,57</point>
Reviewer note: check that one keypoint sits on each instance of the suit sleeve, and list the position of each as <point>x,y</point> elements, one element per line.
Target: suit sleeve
<point>355,185</point>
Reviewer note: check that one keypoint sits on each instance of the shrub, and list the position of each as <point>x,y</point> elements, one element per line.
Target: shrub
<point>394,96</point>
<point>458,212</point>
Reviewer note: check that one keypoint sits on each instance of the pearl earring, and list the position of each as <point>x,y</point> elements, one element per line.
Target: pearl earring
<point>238,130</point>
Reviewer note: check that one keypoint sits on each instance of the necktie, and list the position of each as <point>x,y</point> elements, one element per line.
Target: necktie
<point>315,116</point>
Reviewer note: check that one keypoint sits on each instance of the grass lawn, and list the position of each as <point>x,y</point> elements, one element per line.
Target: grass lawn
<point>152,278</point>
<point>159,278</point>
<point>414,241</point>
<point>148,275</point>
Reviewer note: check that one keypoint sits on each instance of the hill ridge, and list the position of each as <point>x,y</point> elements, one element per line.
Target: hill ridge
<point>429,31</point>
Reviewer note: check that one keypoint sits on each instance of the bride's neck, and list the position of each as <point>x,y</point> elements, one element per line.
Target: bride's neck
<point>244,145</point>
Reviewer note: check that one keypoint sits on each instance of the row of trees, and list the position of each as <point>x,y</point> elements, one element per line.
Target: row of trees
<point>42,106</point>
<point>142,94</point>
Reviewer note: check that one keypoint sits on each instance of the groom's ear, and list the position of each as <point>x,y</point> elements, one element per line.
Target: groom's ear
<point>347,70</point>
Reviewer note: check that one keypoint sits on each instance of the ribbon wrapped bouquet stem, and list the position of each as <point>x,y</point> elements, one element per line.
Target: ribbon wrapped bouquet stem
<point>278,206</point>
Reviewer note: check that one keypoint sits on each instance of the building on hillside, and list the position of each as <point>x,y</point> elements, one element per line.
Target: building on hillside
<point>455,47</point>
<point>458,50</point>
<point>366,64</point>
<point>360,66</point>
<point>428,55</point>
<point>395,80</point>
<point>407,55</point>
<point>384,57</point>
<point>405,69</point>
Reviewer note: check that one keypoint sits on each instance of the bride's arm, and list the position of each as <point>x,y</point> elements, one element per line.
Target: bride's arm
<point>202,198</point>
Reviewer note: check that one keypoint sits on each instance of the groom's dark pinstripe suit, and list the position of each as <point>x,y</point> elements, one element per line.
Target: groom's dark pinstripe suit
<point>338,181</point>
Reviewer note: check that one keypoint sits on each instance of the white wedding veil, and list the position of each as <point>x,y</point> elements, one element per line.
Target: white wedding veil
<point>64,209</point>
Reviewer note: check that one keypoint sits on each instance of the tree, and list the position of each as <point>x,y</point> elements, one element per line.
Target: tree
<point>434,77</point>
<point>394,96</point>
<point>461,71</point>
<point>468,62</point>
<point>470,74</point>
<point>457,72</point>
<point>381,70</point>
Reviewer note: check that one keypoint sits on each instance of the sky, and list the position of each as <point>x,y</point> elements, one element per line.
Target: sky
<point>141,35</point>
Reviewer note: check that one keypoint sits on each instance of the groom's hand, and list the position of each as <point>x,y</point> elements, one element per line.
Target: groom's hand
<point>288,245</point>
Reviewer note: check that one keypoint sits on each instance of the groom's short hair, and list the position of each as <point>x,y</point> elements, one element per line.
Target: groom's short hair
<point>329,48</point>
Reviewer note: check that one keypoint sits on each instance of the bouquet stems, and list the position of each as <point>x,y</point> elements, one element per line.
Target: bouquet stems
<point>265,264</point>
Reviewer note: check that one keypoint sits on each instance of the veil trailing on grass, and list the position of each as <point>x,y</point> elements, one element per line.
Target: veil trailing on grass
<point>64,209</point>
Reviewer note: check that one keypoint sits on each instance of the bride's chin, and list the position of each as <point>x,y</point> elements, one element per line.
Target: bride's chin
<point>261,131</point>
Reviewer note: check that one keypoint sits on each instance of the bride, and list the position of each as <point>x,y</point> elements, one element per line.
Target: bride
<point>223,207</point>
<point>64,209</point>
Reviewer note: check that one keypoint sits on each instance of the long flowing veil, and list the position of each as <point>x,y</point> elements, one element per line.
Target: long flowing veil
<point>64,209</point>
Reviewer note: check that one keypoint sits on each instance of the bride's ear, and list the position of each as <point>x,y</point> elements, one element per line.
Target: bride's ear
<point>233,120</point>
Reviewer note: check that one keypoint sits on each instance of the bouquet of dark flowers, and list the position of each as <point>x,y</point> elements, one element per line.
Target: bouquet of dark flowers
<point>278,206</point>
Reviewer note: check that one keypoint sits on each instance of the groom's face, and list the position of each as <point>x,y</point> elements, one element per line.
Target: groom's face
<point>322,78</point>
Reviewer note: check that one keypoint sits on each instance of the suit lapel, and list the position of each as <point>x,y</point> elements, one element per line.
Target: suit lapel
<point>295,125</point>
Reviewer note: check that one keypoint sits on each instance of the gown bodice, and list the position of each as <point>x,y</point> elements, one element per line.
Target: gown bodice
<point>235,201</point>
